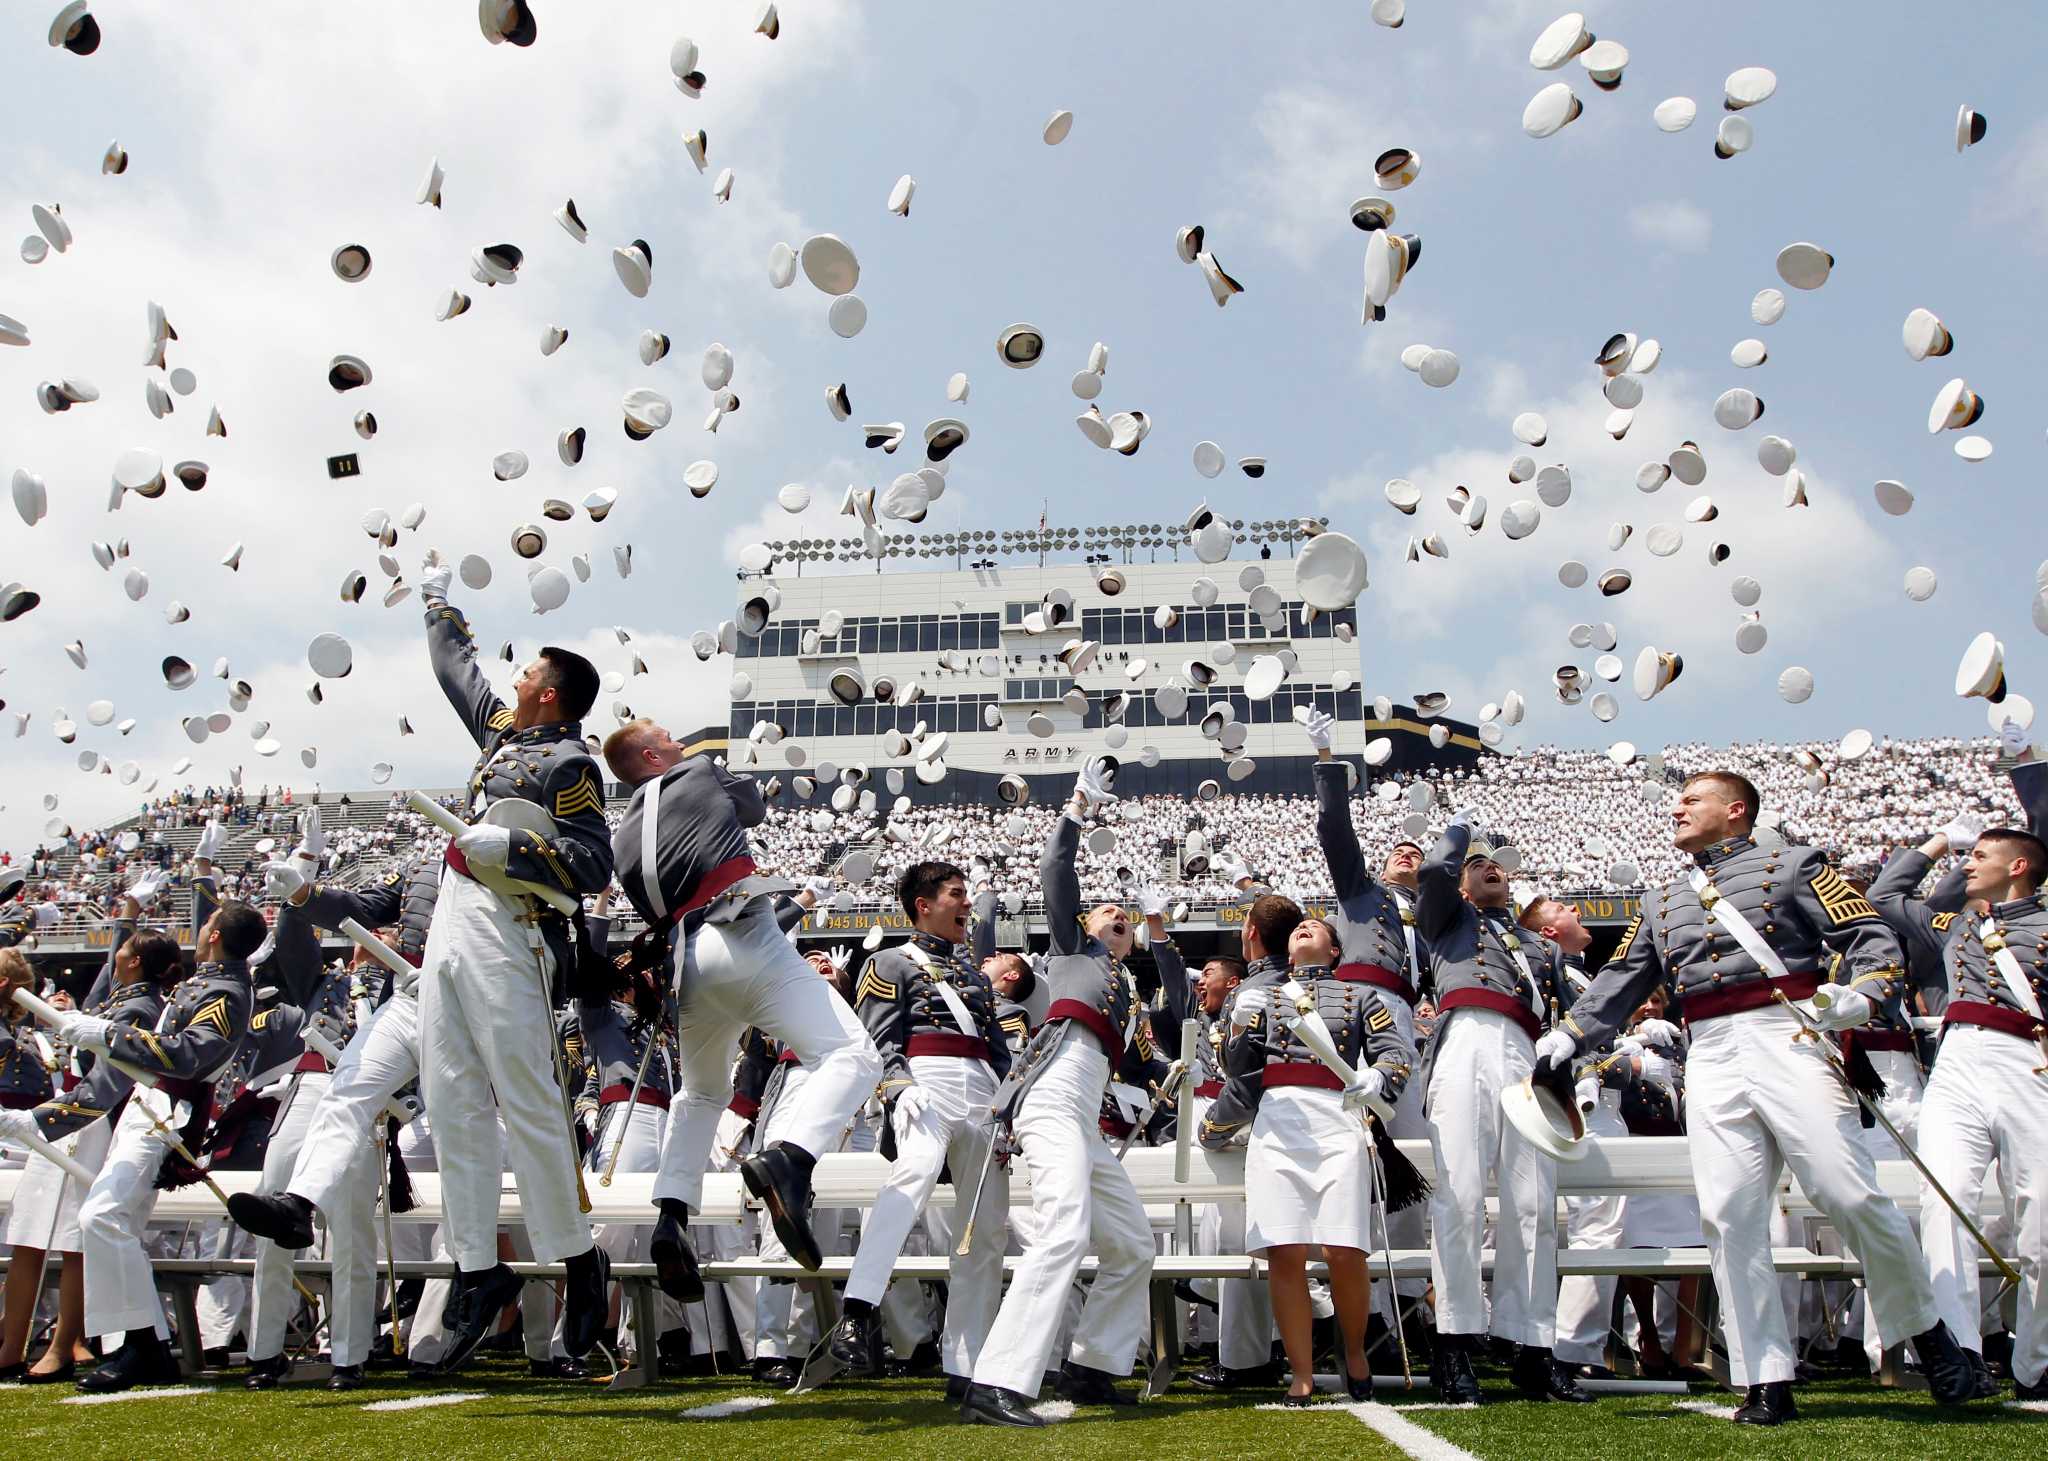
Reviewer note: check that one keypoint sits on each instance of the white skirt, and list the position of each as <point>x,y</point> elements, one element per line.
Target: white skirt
<point>44,1213</point>
<point>1306,1176</point>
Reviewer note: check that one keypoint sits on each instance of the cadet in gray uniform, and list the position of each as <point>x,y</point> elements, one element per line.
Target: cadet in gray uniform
<point>485,996</point>
<point>202,1024</point>
<point>81,1114</point>
<point>1746,933</point>
<point>1082,1200</point>
<point>1309,1178</point>
<point>1986,1101</point>
<point>933,1016</point>
<point>685,865</point>
<point>1494,988</point>
<point>1375,926</point>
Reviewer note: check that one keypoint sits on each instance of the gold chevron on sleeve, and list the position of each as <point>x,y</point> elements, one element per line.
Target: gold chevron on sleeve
<point>1842,903</point>
<point>584,796</point>
<point>1380,1019</point>
<point>500,719</point>
<point>1628,937</point>
<point>214,1013</point>
<point>873,986</point>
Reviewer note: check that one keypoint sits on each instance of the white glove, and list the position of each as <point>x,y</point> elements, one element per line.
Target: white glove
<point>840,957</point>
<point>2013,740</point>
<point>1630,1046</point>
<point>1656,1068</point>
<point>1963,830</point>
<point>210,841</point>
<point>312,841</point>
<point>1246,1008</point>
<point>1661,1033</point>
<point>1152,902</point>
<point>486,848</point>
<point>1365,1090</point>
<point>86,1032</point>
<point>1321,727</point>
<point>911,1104</point>
<point>978,876</point>
<point>1092,786</point>
<point>17,1127</point>
<point>818,888</point>
<point>1847,1008</point>
<point>1587,1093</point>
<point>1466,817</point>
<point>1233,868</point>
<point>281,880</point>
<point>1558,1045</point>
<point>435,579</point>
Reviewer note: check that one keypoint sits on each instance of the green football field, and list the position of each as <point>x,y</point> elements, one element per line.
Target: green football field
<point>504,1415</point>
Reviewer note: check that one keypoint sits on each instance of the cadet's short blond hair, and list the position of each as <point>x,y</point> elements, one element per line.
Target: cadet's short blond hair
<point>620,747</point>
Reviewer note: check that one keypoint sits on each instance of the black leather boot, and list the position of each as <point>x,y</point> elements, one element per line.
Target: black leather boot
<point>857,1341</point>
<point>1450,1370</point>
<point>993,1405</point>
<point>1767,1404</point>
<point>780,1180</point>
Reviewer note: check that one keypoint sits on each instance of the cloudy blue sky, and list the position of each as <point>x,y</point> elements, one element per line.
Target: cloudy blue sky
<point>263,136</point>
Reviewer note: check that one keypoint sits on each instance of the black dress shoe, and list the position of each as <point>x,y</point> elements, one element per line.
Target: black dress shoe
<point>264,1374</point>
<point>1450,1370</point>
<point>142,1360</point>
<point>216,1358</point>
<point>59,1376</point>
<point>346,1377</point>
<point>1223,1377</point>
<point>956,1388</point>
<point>283,1217</point>
<point>1298,1402</point>
<point>13,1374</point>
<point>1951,1378</point>
<point>1540,1377</point>
<point>857,1340</point>
<point>1358,1387</point>
<point>1767,1404</point>
<point>923,1360</point>
<point>993,1405</point>
<point>558,1367</point>
<point>586,1300</point>
<point>472,1310</point>
<point>781,1182</point>
<point>1988,1385</point>
<point>668,1248</point>
<point>1085,1385</point>
<point>2036,1391</point>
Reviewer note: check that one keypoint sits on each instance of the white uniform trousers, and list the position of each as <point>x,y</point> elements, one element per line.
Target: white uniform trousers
<point>1755,1103</point>
<point>953,1130</point>
<point>1585,1304</point>
<point>747,973</point>
<point>1985,1103</point>
<point>222,1303</point>
<point>351,1245</point>
<point>786,1320</point>
<point>1084,1202</point>
<point>1903,1092</point>
<point>120,1289</point>
<point>381,1059</point>
<point>486,1030</point>
<point>46,1198</point>
<point>1479,1054</point>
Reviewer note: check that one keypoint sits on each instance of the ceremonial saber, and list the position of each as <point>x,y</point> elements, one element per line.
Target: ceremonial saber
<point>50,1015</point>
<point>1379,1177</point>
<point>1307,1026</point>
<point>1161,1094</point>
<point>390,1253</point>
<point>632,1101</point>
<point>1811,1031</point>
<point>43,1147</point>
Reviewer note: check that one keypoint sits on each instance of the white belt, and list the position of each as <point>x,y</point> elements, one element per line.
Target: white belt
<point>1720,910</point>
<point>650,846</point>
<point>1131,1102</point>
<point>955,1005</point>
<point>2016,982</point>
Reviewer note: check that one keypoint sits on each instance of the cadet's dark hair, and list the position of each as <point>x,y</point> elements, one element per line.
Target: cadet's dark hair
<point>2032,848</point>
<point>1231,963</point>
<point>1735,787</point>
<point>923,880</point>
<point>242,929</point>
<point>157,952</point>
<point>574,679</point>
<point>1275,918</point>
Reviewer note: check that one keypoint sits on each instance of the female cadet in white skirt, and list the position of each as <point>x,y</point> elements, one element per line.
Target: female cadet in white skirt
<point>1309,1178</point>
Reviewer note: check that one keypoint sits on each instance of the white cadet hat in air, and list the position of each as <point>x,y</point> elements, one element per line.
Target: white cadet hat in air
<point>829,264</point>
<point>1982,669</point>
<point>1970,127</point>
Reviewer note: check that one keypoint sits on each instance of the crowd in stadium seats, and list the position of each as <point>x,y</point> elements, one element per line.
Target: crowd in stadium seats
<point>1578,819</point>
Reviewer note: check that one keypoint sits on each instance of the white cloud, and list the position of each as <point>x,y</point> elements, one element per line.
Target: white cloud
<point>1678,225</point>
<point>1315,156</point>
<point>2017,201</point>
